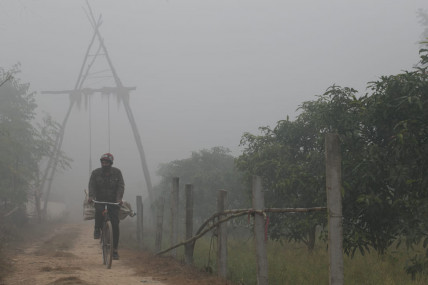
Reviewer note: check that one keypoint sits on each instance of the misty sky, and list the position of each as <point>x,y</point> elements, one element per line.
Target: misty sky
<point>205,71</point>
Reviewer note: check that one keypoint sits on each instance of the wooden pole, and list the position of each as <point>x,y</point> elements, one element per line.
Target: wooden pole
<point>137,138</point>
<point>125,97</point>
<point>53,161</point>
<point>159,224</point>
<point>140,221</point>
<point>188,248</point>
<point>259,232</point>
<point>174,213</point>
<point>221,237</point>
<point>334,208</point>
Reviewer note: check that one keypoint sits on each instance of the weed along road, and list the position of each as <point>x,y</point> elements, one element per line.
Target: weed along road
<point>69,255</point>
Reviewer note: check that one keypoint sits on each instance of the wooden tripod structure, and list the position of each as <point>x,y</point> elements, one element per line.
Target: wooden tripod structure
<point>75,95</point>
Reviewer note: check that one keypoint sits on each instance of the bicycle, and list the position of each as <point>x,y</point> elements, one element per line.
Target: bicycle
<point>106,238</point>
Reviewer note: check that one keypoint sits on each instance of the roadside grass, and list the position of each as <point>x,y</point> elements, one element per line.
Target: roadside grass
<point>386,269</point>
<point>291,263</point>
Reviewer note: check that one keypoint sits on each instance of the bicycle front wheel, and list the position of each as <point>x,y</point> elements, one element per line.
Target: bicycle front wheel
<point>107,244</point>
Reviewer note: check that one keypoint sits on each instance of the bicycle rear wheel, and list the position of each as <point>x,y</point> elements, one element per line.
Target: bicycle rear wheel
<point>107,244</point>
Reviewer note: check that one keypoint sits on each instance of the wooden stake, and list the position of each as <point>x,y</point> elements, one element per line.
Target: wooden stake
<point>188,248</point>
<point>259,232</point>
<point>159,224</point>
<point>140,221</point>
<point>334,205</point>
<point>221,237</point>
<point>174,213</point>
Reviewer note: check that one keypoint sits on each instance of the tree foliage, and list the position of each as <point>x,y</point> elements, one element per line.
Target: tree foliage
<point>18,147</point>
<point>392,163</point>
<point>290,157</point>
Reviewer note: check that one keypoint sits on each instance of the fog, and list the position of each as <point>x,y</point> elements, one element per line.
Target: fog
<point>205,72</point>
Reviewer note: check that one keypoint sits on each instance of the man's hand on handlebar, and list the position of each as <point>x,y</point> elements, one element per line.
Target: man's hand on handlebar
<point>90,200</point>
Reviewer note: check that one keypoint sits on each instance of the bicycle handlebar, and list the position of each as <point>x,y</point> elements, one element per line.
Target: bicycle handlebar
<point>105,203</point>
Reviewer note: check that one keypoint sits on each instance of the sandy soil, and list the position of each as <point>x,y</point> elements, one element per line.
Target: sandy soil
<point>68,255</point>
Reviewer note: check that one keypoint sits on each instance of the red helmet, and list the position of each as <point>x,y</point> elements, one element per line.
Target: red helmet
<point>107,157</point>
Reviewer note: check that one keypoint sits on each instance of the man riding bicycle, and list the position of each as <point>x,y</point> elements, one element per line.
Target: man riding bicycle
<point>106,185</point>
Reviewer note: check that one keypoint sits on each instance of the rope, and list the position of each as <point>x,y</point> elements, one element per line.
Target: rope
<point>266,227</point>
<point>90,134</point>
<point>265,216</point>
<point>108,114</point>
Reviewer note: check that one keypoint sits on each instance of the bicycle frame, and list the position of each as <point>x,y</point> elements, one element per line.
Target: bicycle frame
<point>106,239</point>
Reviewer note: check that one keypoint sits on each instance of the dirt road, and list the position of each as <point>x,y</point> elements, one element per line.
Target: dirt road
<point>69,256</point>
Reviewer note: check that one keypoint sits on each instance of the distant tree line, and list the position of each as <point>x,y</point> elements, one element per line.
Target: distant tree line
<point>209,170</point>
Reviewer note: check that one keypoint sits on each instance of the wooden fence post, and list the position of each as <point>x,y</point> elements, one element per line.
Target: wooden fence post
<point>221,237</point>
<point>334,208</point>
<point>188,248</point>
<point>159,224</point>
<point>140,221</point>
<point>174,214</point>
<point>259,232</point>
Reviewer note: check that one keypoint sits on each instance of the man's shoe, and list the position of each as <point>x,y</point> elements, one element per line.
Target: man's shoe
<point>115,255</point>
<point>97,233</point>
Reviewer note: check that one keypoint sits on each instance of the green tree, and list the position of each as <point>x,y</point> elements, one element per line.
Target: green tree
<point>23,146</point>
<point>385,192</point>
<point>18,147</point>
<point>400,133</point>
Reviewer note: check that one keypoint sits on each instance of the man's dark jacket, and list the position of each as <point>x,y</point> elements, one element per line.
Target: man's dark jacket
<point>106,186</point>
